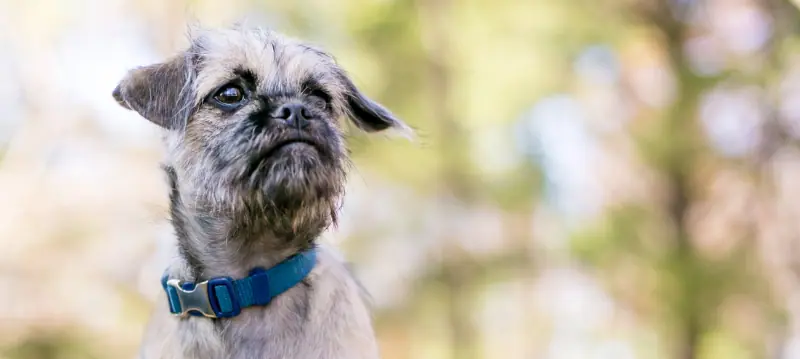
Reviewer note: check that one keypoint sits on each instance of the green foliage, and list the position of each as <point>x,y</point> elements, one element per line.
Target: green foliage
<point>618,232</point>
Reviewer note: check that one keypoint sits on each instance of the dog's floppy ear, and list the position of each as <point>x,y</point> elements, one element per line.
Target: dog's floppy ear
<point>159,92</point>
<point>367,114</point>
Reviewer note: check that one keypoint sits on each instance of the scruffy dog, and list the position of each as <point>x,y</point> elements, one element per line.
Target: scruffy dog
<point>257,164</point>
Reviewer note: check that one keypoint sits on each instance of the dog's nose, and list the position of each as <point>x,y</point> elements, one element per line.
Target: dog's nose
<point>294,115</point>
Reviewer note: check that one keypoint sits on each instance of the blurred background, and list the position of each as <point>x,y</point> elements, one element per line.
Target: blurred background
<point>615,179</point>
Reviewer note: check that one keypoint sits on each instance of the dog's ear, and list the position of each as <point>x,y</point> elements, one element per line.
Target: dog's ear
<point>367,114</point>
<point>160,92</point>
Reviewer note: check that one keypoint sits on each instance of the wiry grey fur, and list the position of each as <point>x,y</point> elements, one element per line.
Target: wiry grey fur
<point>239,200</point>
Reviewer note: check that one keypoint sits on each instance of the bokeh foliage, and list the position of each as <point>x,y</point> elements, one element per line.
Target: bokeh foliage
<point>682,246</point>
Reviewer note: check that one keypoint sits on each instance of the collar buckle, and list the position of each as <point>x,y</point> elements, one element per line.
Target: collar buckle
<point>194,300</point>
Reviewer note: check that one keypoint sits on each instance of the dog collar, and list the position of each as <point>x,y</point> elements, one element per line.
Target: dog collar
<point>224,297</point>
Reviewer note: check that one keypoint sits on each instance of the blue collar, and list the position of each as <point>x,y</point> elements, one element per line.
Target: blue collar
<point>224,297</point>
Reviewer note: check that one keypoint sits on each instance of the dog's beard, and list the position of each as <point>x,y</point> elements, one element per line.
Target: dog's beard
<point>296,192</point>
<point>295,176</point>
<point>293,192</point>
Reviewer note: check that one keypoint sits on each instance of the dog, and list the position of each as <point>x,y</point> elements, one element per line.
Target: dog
<point>256,162</point>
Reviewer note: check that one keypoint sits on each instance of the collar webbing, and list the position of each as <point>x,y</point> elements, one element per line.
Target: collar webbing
<point>224,297</point>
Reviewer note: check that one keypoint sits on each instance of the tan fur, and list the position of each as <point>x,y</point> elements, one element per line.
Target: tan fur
<point>274,58</point>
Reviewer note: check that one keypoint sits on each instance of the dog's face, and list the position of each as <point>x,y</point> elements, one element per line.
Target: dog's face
<point>252,120</point>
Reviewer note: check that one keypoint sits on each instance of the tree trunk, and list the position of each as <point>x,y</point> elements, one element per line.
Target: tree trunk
<point>454,183</point>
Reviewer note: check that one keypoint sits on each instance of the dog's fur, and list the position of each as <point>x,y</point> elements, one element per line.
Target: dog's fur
<point>241,199</point>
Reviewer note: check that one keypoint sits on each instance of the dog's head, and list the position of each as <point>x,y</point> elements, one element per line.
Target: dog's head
<point>252,121</point>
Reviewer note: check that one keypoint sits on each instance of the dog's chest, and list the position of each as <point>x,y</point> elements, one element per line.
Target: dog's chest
<point>279,331</point>
<point>261,334</point>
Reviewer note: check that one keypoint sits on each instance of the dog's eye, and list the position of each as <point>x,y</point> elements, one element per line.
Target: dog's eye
<point>229,95</point>
<point>320,96</point>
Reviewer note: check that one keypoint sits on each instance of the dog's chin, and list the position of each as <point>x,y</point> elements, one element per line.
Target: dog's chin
<point>294,175</point>
<point>298,195</point>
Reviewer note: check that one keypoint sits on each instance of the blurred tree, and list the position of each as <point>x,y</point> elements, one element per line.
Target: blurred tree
<point>688,287</point>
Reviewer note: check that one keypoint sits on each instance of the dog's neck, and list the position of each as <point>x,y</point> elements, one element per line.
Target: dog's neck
<point>215,243</point>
